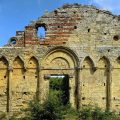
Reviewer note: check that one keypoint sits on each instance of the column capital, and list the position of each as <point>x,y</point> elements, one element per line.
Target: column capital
<point>94,68</point>
<point>111,68</point>
<point>39,68</point>
<point>77,68</point>
<point>10,68</point>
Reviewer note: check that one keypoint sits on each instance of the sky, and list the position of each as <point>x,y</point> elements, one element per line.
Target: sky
<point>16,14</point>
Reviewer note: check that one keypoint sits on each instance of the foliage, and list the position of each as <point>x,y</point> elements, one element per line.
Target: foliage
<point>95,113</point>
<point>85,113</point>
<point>14,118</point>
<point>54,110</point>
<point>2,116</point>
<point>57,107</point>
<point>55,83</point>
<point>60,86</point>
<point>51,109</point>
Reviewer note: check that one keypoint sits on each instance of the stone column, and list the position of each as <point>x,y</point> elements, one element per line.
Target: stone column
<point>78,86</point>
<point>109,80</point>
<point>38,95</point>
<point>9,106</point>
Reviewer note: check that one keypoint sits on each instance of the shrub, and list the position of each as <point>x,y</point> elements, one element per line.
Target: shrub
<point>85,113</point>
<point>57,107</point>
<point>2,116</point>
<point>51,109</point>
<point>95,113</point>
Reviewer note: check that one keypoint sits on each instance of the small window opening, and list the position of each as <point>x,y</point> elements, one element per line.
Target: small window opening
<point>75,27</point>
<point>105,33</point>
<point>74,12</point>
<point>56,12</point>
<point>103,98</point>
<point>116,37</point>
<point>4,76</point>
<point>83,98</point>
<point>89,30</point>
<point>41,31</point>
<point>24,77</point>
<point>13,41</point>
<point>118,58</point>
<point>25,93</point>
<point>113,17</point>
<point>58,26</point>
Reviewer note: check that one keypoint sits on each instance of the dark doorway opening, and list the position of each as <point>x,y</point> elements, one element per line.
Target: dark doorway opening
<point>59,86</point>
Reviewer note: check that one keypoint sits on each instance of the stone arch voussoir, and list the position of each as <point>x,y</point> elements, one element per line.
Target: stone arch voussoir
<point>70,52</point>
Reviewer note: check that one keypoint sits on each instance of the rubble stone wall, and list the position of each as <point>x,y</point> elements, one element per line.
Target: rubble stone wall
<point>80,41</point>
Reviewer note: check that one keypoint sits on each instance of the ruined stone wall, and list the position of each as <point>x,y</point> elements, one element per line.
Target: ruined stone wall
<point>80,41</point>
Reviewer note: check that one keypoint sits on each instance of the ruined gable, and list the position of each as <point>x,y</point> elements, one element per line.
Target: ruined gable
<point>81,42</point>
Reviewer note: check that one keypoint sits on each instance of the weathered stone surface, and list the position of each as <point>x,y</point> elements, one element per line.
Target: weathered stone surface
<point>81,41</point>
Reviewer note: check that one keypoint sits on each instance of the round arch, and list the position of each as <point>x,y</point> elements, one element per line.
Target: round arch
<point>60,61</point>
<point>66,50</point>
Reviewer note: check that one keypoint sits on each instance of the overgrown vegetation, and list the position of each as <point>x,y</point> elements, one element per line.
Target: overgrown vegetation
<point>53,110</point>
<point>49,110</point>
<point>95,113</point>
<point>57,107</point>
<point>59,87</point>
<point>2,116</point>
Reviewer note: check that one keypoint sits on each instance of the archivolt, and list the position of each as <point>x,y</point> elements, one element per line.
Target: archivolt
<point>66,50</point>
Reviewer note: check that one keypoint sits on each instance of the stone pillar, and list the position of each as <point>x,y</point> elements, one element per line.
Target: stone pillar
<point>77,71</point>
<point>109,80</point>
<point>38,95</point>
<point>9,106</point>
<point>72,90</point>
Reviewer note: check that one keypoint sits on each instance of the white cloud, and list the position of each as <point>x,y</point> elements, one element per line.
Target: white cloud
<point>108,4</point>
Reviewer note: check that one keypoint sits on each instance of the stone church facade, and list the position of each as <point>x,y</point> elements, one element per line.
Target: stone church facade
<point>82,42</point>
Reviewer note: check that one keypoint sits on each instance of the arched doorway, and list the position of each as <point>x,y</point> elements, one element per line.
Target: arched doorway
<point>59,62</point>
